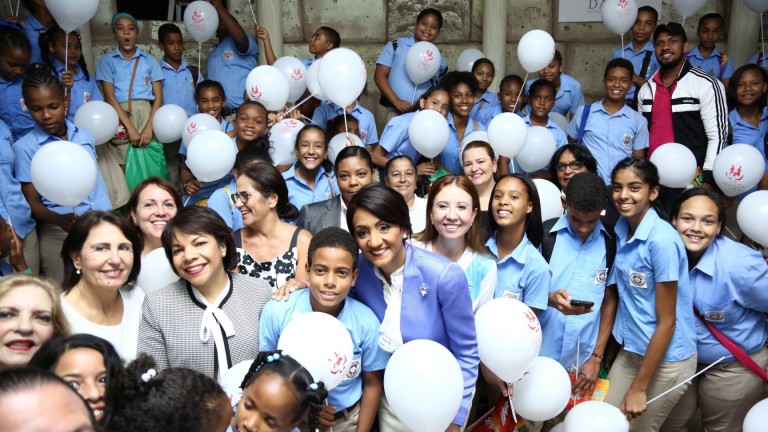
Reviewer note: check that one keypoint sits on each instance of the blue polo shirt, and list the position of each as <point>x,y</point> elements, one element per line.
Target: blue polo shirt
<point>450,157</point>
<point>299,192</point>
<point>26,148</point>
<point>32,30</point>
<point>628,52</point>
<point>13,110</point>
<point>560,140</point>
<point>207,188</point>
<point>13,205</point>
<point>230,67</point>
<point>363,327</point>
<point>398,78</point>
<point>485,107</point>
<point>82,91</point>
<point>730,291</point>
<point>179,86</point>
<point>328,110</point>
<point>114,68</point>
<point>654,254</point>
<point>225,127</point>
<point>746,133</point>
<point>395,139</point>
<point>757,59</point>
<point>580,268</point>
<point>713,64</point>
<point>569,97</point>
<point>610,138</point>
<point>221,202</point>
<point>523,274</point>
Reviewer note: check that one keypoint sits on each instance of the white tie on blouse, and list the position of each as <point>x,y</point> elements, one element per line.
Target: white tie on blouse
<point>214,320</point>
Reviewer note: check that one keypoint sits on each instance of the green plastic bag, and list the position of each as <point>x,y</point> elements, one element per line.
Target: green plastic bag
<point>144,162</point>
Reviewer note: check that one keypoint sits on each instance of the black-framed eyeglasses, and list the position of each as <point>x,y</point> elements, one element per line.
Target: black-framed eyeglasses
<point>573,166</point>
<point>241,196</point>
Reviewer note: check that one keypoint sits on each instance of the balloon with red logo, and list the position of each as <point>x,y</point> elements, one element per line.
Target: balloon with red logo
<point>738,168</point>
<point>619,15</point>
<point>282,141</point>
<point>266,84</point>
<point>422,62</point>
<point>295,73</point>
<point>198,123</point>
<point>201,20</point>
<point>321,344</point>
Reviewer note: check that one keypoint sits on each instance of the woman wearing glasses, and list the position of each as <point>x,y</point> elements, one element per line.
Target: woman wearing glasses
<point>267,247</point>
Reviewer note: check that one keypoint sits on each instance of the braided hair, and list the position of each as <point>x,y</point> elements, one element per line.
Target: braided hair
<point>39,75</point>
<point>310,394</point>
<point>47,38</point>
<point>12,38</point>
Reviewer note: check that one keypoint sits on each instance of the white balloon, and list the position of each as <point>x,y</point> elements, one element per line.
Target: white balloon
<point>68,16</point>
<point>595,416</point>
<point>321,344</point>
<point>425,395</point>
<point>538,149</point>
<point>196,124</point>
<point>759,6</point>
<point>266,84</point>
<point>341,140</point>
<point>98,118</point>
<point>282,139</point>
<point>422,62</point>
<point>156,272</point>
<point>342,76</point>
<point>211,155</point>
<point>231,379</point>
<point>689,8</point>
<point>168,123</point>
<point>475,136</point>
<point>676,164</point>
<point>507,133</point>
<point>313,82</point>
<point>467,59</point>
<point>549,196</point>
<point>64,173</point>
<point>559,120</point>
<point>738,168</point>
<point>295,73</point>
<point>560,427</point>
<point>752,214</point>
<point>757,417</point>
<point>619,15</point>
<point>536,50</point>
<point>201,20</point>
<point>508,337</point>
<point>428,132</point>
<point>543,392</point>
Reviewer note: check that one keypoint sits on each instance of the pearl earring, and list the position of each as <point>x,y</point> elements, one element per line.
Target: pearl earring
<point>77,271</point>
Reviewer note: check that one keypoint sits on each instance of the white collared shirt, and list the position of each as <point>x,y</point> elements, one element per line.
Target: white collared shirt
<point>343,216</point>
<point>390,337</point>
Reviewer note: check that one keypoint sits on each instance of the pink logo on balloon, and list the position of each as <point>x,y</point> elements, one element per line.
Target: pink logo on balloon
<point>292,123</point>
<point>426,58</point>
<point>296,74</point>
<point>198,17</point>
<point>338,363</point>
<point>735,174</point>
<point>192,128</point>
<point>533,323</point>
<point>255,93</point>
<point>623,3</point>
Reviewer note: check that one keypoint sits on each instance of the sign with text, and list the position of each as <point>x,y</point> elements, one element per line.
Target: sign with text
<point>589,10</point>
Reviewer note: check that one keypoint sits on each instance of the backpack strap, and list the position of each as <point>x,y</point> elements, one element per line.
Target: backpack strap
<point>610,249</point>
<point>548,242</point>
<point>583,124</point>
<point>643,72</point>
<point>394,45</point>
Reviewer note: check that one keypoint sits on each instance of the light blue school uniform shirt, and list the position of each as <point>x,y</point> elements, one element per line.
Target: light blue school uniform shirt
<point>114,68</point>
<point>328,110</point>
<point>450,157</point>
<point>757,59</point>
<point>221,202</point>
<point>610,137</point>
<point>713,65</point>
<point>395,139</point>
<point>485,107</point>
<point>32,30</point>
<point>628,52</point>
<point>82,91</point>
<point>363,327</point>
<point>523,274</point>
<point>207,188</point>
<point>654,254</point>
<point>299,192</point>
<point>230,67</point>
<point>398,78</point>
<point>13,110</point>
<point>569,97</point>
<point>179,86</point>
<point>307,61</point>
<point>560,140</point>
<point>579,268</point>
<point>730,291</point>
<point>25,149</point>
<point>14,208</point>
<point>225,127</point>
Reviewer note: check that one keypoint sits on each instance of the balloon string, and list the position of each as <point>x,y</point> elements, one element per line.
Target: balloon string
<point>309,119</point>
<point>688,380</point>
<point>578,357</point>
<point>10,5</point>
<point>762,38</point>
<point>187,200</point>
<point>683,22</point>
<point>346,128</point>
<point>297,105</point>
<point>511,407</point>
<point>250,3</point>
<point>413,98</point>
<point>199,57</point>
<point>517,101</point>
<point>66,59</point>
<point>622,46</point>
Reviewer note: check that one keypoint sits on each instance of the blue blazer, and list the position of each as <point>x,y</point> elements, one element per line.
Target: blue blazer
<point>436,306</point>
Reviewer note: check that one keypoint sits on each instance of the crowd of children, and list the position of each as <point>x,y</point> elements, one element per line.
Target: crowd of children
<point>616,282</point>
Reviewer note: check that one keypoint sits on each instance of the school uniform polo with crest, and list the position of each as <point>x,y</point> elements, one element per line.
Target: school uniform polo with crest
<point>13,110</point>
<point>717,64</point>
<point>569,97</point>
<point>14,207</point>
<point>299,192</point>
<point>485,108</point>
<point>363,327</point>
<point>654,254</point>
<point>450,157</point>
<point>581,269</point>
<point>230,67</point>
<point>610,137</point>
<point>398,78</point>
<point>367,124</point>
<point>179,86</point>
<point>395,139</point>
<point>82,91</point>
<point>114,68</point>
<point>523,274</point>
